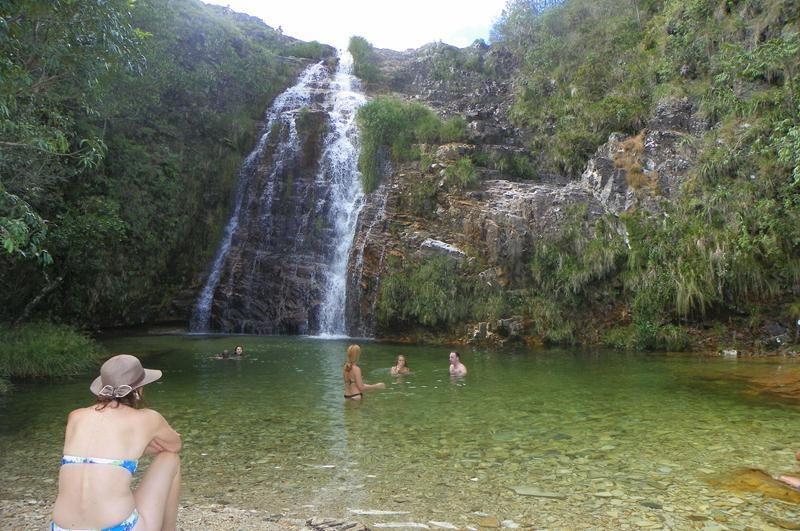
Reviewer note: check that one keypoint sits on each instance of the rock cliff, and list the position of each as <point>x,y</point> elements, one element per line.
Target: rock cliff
<point>268,283</point>
<point>498,223</point>
<point>473,82</point>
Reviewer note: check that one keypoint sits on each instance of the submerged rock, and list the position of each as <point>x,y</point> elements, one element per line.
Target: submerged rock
<point>489,522</point>
<point>401,525</point>
<point>375,512</point>
<point>442,525</point>
<point>537,492</point>
<point>753,480</point>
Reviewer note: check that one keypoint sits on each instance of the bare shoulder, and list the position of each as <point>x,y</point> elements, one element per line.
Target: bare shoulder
<point>76,414</point>
<point>151,415</point>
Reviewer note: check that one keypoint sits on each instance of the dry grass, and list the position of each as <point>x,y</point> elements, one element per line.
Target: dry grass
<point>628,159</point>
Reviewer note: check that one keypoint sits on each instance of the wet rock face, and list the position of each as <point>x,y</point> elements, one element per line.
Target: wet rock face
<point>270,282</point>
<point>372,245</point>
<point>511,217</point>
<point>500,222</point>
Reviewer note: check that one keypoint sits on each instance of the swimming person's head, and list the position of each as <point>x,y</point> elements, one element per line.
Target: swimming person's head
<point>121,380</point>
<point>454,357</point>
<point>401,362</point>
<point>225,354</point>
<point>238,351</point>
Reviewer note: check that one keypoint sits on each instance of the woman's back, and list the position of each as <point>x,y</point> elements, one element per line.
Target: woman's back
<point>351,379</point>
<point>99,494</point>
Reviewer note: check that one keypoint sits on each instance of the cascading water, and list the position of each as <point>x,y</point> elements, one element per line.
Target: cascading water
<point>282,264</point>
<point>282,114</point>
<point>340,169</point>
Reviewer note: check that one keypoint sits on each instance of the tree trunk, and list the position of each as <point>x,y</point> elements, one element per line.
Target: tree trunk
<point>36,300</point>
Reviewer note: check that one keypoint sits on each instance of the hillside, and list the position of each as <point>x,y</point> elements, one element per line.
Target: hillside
<point>122,131</point>
<point>627,177</point>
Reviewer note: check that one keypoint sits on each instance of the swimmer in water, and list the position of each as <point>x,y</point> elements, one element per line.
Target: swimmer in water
<point>400,366</point>
<point>456,367</point>
<point>354,386</point>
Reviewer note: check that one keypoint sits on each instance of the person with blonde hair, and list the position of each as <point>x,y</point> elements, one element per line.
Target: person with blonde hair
<point>354,385</point>
<point>102,447</point>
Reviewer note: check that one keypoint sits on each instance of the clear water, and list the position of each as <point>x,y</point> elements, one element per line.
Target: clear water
<point>608,432</point>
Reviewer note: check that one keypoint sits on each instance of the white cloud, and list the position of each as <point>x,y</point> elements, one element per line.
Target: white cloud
<point>395,24</point>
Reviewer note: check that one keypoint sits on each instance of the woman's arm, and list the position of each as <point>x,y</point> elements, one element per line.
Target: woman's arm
<point>360,383</point>
<point>165,439</point>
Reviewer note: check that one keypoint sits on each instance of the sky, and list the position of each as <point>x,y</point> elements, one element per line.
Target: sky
<point>394,24</point>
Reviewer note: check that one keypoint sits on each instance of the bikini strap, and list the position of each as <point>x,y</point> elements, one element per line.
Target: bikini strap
<point>128,464</point>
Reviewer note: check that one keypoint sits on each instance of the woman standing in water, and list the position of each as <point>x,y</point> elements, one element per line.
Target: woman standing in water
<point>354,386</point>
<point>400,366</point>
<point>102,447</point>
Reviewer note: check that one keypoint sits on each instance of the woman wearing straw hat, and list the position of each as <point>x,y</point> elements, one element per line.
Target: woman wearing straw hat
<point>102,446</point>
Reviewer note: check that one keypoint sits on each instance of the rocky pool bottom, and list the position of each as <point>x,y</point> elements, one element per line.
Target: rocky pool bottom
<point>537,438</point>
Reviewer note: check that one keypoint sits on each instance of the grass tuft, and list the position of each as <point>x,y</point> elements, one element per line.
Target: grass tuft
<point>45,350</point>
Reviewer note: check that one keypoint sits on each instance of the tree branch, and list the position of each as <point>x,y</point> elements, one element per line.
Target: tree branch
<point>36,300</point>
<point>49,152</point>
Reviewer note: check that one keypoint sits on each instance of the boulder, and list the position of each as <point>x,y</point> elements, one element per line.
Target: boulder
<point>431,247</point>
<point>513,327</point>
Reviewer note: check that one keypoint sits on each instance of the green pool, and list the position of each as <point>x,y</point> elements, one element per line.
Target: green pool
<point>599,438</point>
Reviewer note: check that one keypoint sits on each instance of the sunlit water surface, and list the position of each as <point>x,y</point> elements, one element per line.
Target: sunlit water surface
<point>621,439</point>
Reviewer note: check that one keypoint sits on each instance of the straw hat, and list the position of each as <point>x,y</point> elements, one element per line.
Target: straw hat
<point>122,374</point>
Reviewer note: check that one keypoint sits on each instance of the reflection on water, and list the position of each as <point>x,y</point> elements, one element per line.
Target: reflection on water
<point>615,438</point>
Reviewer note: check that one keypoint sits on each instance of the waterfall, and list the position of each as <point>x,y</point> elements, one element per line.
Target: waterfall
<point>281,267</point>
<point>282,112</point>
<point>339,169</point>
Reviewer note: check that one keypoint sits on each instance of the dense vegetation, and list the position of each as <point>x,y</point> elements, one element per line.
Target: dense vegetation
<point>364,61</point>
<point>728,249</point>
<point>123,125</point>
<point>391,130</point>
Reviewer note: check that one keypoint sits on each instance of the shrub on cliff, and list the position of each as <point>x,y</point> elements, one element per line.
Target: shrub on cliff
<point>389,127</point>
<point>309,50</point>
<point>670,338</point>
<point>364,65</point>
<point>462,175</point>
<point>44,350</point>
<point>728,243</point>
<point>433,293</point>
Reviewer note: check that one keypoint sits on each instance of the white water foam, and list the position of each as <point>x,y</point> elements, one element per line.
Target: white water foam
<point>346,196</point>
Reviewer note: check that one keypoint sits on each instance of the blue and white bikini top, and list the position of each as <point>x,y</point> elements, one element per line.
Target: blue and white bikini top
<point>128,464</point>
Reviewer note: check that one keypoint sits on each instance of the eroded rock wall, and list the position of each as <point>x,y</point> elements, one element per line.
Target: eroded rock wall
<point>499,221</point>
